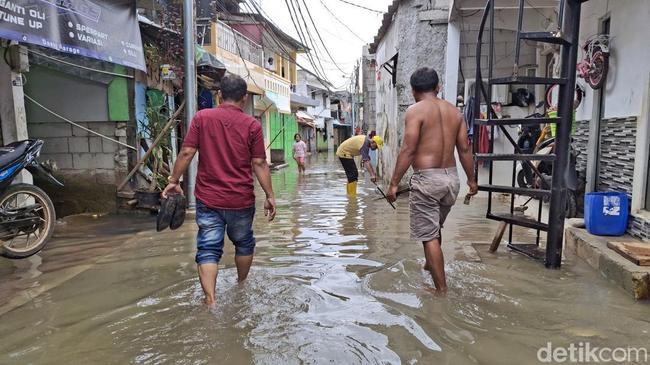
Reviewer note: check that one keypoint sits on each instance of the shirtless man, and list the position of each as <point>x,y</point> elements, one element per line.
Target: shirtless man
<point>434,128</point>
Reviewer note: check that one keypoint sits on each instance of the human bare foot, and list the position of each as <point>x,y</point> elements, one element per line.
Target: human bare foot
<point>436,292</point>
<point>210,302</point>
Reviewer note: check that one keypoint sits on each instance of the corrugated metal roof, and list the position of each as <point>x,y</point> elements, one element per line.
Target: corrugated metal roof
<point>385,23</point>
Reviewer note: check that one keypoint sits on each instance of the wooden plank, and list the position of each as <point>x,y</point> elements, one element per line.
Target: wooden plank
<point>638,253</point>
<point>498,236</point>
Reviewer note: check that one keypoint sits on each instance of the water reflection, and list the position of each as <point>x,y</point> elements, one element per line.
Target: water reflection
<point>334,281</point>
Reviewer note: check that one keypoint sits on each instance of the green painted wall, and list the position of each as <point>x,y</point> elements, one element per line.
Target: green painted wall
<point>118,97</point>
<point>283,128</point>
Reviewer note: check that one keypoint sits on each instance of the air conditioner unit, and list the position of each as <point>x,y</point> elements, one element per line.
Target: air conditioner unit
<point>500,93</point>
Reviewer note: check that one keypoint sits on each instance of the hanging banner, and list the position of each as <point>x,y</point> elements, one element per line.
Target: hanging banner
<point>104,30</point>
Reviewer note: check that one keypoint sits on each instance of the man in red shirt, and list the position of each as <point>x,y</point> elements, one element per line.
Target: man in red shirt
<point>231,148</point>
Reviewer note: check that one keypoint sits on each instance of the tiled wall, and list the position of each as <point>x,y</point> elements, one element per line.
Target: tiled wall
<point>639,227</point>
<point>618,145</point>
<point>617,149</point>
<point>580,142</point>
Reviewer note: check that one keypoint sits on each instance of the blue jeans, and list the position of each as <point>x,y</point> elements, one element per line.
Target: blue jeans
<point>214,224</point>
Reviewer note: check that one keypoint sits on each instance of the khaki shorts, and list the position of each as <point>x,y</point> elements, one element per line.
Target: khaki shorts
<point>433,193</point>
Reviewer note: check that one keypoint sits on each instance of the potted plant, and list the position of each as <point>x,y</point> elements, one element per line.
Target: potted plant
<point>156,168</point>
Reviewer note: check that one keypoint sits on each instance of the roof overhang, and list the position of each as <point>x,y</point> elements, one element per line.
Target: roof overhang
<point>470,8</point>
<point>302,101</point>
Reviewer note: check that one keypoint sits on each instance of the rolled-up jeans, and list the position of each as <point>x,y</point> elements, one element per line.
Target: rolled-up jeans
<point>214,224</point>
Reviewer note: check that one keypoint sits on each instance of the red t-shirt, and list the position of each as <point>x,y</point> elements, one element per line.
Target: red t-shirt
<point>227,140</point>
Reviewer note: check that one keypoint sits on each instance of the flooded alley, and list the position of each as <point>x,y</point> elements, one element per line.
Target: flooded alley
<point>334,282</point>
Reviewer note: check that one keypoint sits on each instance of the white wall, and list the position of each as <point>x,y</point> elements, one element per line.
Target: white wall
<point>627,92</point>
<point>629,68</point>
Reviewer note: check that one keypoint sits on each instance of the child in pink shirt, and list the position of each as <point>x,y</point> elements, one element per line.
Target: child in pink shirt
<point>299,152</point>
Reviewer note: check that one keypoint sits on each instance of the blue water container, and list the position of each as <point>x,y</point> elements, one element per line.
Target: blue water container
<point>606,214</point>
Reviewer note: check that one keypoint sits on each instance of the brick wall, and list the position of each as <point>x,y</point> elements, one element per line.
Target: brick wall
<point>617,149</point>
<point>89,166</point>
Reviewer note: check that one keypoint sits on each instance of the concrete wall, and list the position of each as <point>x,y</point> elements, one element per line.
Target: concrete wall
<point>89,166</point>
<point>419,42</point>
<point>369,76</point>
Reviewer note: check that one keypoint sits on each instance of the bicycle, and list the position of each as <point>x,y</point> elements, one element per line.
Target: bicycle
<point>593,68</point>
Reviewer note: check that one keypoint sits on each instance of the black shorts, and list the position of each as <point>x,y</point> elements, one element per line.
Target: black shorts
<point>350,168</point>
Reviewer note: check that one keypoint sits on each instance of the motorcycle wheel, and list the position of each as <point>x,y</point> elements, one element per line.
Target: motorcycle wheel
<point>521,179</point>
<point>20,244</point>
<point>598,74</point>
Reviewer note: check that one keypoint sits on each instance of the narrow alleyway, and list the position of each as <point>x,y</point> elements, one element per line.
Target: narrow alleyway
<point>334,281</point>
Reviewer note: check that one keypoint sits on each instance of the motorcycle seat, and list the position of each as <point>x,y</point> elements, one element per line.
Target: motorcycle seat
<point>12,152</point>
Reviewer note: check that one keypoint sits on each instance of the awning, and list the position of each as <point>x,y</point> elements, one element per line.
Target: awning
<point>304,115</point>
<point>305,119</point>
<point>338,124</point>
<point>261,102</point>
<point>207,59</point>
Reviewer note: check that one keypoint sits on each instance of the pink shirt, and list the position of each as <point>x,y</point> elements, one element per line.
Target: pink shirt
<point>299,149</point>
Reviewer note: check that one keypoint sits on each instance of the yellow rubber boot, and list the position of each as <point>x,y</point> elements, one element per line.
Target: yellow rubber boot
<point>352,189</point>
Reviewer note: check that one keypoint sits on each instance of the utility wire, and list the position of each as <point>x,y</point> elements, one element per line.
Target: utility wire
<point>361,6</point>
<point>241,56</point>
<point>311,38</point>
<point>75,124</point>
<point>321,38</point>
<point>254,8</point>
<point>297,25</point>
<point>341,22</point>
<point>79,66</point>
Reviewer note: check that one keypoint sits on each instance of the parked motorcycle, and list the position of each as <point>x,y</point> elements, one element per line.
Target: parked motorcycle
<point>526,178</point>
<point>27,214</point>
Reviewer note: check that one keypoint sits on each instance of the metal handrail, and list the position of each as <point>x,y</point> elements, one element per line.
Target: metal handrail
<point>236,43</point>
<point>482,92</point>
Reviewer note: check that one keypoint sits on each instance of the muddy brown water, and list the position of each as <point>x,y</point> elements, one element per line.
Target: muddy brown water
<point>334,282</point>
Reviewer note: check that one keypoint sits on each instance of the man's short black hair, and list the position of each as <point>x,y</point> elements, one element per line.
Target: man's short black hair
<point>233,88</point>
<point>424,79</point>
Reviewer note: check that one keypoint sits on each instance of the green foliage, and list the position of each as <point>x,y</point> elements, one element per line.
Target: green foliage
<point>158,162</point>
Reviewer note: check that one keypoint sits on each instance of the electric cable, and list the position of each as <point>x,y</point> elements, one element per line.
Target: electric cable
<point>361,7</point>
<point>301,35</point>
<point>341,22</point>
<point>77,125</point>
<point>254,8</point>
<point>321,38</point>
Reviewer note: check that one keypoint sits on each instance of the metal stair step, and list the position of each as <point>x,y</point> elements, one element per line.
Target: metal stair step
<point>513,157</point>
<point>536,193</point>
<point>517,121</point>
<point>527,80</point>
<point>519,220</point>
<point>544,37</point>
<point>530,250</point>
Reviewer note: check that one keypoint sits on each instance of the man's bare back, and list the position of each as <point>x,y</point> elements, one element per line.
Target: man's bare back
<point>440,123</point>
<point>433,130</point>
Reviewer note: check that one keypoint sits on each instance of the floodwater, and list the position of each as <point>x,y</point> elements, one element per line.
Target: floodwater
<point>334,282</point>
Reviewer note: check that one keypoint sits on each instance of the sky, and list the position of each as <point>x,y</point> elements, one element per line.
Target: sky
<point>343,45</point>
